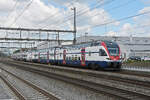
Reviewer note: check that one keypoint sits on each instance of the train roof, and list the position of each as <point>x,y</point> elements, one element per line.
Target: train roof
<point>85,44</point>
<point>91,43</point>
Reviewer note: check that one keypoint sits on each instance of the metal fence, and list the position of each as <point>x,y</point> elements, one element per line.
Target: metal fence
<point>136,68</point>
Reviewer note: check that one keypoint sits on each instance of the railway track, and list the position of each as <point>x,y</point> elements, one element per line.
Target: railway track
<point>134,73</point>
<point>18,95</point>
<point>124,72</point>
<point>138,76</point>
<point>25,90</point>
<point>100,83</point>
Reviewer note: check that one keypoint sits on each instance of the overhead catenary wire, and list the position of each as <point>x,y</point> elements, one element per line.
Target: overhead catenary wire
<point>71,15</point>
<point>68,17</point>
<point>100,5</point>
<point>55,14</point>
<point>110,9</point>
<point>25,8</point>
<point>115,7</point>
<point>121,19</point>
<point>132,29</point>
<point>13,8</point>
<point>81,12</point>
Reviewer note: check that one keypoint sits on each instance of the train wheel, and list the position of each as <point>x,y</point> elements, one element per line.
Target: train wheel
<point>95,67</point>
<point>89,66</point>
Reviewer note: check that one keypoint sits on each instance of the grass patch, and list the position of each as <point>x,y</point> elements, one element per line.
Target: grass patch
<point>137,63</point>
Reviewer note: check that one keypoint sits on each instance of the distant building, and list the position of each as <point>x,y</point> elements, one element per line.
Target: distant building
<point>130,46</point>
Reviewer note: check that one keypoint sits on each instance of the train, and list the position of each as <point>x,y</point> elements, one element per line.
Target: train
<point>94,55</point>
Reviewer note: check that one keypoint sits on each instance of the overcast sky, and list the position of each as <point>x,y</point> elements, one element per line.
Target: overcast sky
<point>91,14</point>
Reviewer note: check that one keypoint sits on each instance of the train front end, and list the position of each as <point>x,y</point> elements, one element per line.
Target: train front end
<point>113,50</point>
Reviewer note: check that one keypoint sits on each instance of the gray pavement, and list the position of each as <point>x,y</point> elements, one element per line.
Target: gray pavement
<point>3,94</point>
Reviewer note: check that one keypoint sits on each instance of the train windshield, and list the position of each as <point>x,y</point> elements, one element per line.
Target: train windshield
<point>113,48</point>
<point>113,51</point>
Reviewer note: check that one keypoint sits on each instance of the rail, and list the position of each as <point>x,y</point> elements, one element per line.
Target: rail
<point>13,89</point>
<point>93,80</point>
<point>40,90</point>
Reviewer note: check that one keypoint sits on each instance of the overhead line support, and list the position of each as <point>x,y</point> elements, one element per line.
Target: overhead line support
<point>75,30</point>
<point>29,29</point>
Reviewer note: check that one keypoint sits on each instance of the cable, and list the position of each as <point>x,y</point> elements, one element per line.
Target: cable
<point>105,3</point>
<point>121,19</point>
<point>86,10</point>
<point>125,18</point>
<point>54,15</point>
<point>25,8</point>
<point>143,26</point>
<point>13,8</point>
<point>116,7</point>
<point>70,16</point>
<point>137,27</point>
<point>121,5</point>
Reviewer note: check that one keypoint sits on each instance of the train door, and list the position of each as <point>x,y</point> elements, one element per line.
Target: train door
<point>83,57</point>
<point>39,57</point>
<point>47,56</point>
<point>54,54</point>
<point>64,57</point>
<point>31,56</point>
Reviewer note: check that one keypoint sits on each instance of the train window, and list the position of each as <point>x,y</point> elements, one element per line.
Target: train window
<point>95,44</point>
<point>102,52</point>
<point>78,58</point>
<point>89,53</point>
<point>69,58</point>
<point>72,57</point>
<point>66,58</point>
